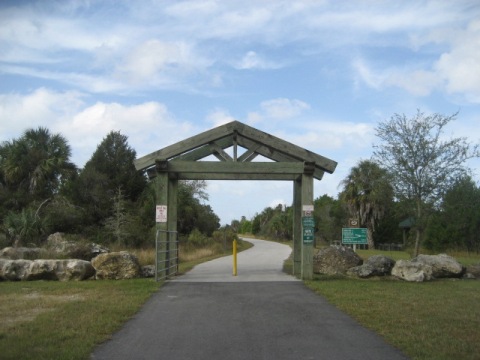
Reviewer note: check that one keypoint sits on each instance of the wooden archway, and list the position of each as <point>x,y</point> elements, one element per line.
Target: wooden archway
<point>288,162</point>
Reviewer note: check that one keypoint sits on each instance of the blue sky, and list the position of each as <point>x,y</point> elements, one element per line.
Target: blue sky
<point>320,74</point>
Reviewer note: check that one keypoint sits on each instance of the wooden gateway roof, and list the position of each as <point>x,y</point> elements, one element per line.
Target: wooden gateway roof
<point>287,159</point>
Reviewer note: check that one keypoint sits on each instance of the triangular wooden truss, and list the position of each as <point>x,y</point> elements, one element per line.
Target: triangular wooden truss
<point>287,160</point>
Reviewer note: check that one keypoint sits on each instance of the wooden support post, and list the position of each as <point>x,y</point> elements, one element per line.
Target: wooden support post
<point>297,227</point>
<point>161,199</point>
<point>172,225</point>
<point>307,200</point>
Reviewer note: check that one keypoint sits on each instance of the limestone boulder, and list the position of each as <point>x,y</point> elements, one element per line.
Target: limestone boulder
<point>76,269</point>
<point>14,253</point>
<point>62,270</point>
<point>443,266</point>
<point>410,270</point>
<point>58,244</point>
<point>14,270</point>
<point>473,271</point>
<point>428,267</point>
<point>376,265</point>
<point>334,260</point>
<point>148,271</point>
<point>116,266</point>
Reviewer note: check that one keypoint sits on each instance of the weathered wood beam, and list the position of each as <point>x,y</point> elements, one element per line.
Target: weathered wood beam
<point>215,176</point>
<point>272,154</point>
<point>285,147</point>
<point>214,167</point>
<point>205,150</point>
<point>219,152</point>
<point>185,146</point>
<point>248,155</point>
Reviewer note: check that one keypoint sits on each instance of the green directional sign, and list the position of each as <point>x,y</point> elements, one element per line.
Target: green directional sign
<point>354,236</point>
<point>308,221</point>
<point>308,225</point>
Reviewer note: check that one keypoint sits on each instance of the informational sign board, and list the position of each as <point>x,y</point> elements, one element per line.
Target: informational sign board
<point>161,214</point>
<point>308,222</point>
<point>308,226</point>
<point>354,236</point>
<point>308,235</point>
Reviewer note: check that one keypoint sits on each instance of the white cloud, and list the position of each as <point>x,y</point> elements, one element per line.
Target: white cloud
<point>251,60</point>
<point>219,117</point>
<point>416,81</point>
<point>322,135</point>
<point>155,61</point>
<point>149,127</point>
<point>277,109</point>
<point>274,203</point>
<point>41,107</point>
<point>459,67</point>
<point>455,71</point>
<point>282,108</point>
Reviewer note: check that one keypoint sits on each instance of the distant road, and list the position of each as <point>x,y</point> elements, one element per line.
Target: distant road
<point>261,314</point>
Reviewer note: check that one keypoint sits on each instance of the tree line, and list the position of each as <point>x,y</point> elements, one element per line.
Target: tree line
<point>416,175</point>
<point>107,201</point>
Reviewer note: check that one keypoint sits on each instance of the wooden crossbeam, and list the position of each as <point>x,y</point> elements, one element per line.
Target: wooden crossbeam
<point>219,153</point>
<point>215,167</point>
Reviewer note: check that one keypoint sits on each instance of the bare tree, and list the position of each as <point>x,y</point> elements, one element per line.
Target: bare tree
<point>423,163</point>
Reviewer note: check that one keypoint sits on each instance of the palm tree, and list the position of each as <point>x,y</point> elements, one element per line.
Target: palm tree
<point>367,193</point>
<point>36,164</point>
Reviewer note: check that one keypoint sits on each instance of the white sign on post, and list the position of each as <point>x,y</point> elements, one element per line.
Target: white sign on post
<point>161,214</point>
<point>307,210</point>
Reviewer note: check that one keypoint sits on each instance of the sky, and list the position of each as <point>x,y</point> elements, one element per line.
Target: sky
<point>319,74</point>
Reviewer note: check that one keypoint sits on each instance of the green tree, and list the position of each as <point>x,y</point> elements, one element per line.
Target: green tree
<point>423,164</point>
<point>109,169</point>
<point>34,167</point>
<point>367,192</point>
<point>117,224</point>
<point>457,223</point>
<point>114,158</point>
<point>90,191</point>
<point>330,216</point>
<point>192,213</point>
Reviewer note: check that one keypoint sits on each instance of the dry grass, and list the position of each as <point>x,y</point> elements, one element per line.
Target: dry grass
<point>145,256</point>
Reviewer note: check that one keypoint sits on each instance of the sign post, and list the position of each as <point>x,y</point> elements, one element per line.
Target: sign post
<point>308,225</point>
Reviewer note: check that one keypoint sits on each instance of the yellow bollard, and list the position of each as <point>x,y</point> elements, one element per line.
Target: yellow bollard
<point>234,257</point>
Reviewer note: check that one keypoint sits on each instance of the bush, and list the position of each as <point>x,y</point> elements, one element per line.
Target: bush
<point>197,239</point>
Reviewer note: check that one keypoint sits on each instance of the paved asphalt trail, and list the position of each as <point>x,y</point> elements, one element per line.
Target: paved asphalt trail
<point>259,314</point>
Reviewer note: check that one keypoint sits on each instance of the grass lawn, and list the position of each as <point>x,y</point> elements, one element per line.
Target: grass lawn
<point>432,320</point>
<point>65,320</point>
